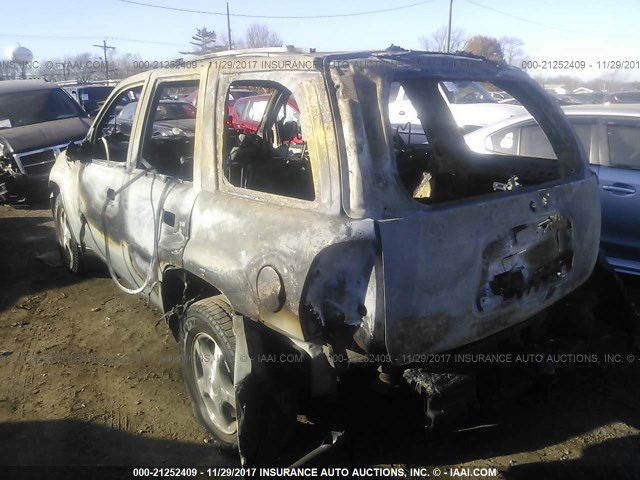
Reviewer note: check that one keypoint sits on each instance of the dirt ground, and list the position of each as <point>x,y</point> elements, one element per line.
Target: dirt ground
<point>90,376</point>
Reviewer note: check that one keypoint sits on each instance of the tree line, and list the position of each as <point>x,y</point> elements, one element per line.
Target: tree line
<point>504,49</point>
<point>87,67</point>
<point>257,35</point>
<point>90,67</point>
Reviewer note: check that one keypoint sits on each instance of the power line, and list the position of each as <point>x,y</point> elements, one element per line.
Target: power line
<point>104,48</point>
<point>46,37</point>
<point>278,17</point>
<point>134,40</point>
<point>533,22</point>
<point>539,24</point>
<point>95,37</point>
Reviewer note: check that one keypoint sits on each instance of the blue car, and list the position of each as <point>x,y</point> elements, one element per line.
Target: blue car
<point>610,136</point>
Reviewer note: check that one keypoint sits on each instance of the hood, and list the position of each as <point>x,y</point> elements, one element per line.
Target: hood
<point>482,114</point>
<point>188,124</point>
<point>46,134</point>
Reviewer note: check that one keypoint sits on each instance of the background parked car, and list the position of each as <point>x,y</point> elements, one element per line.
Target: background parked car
<point>247,113</point>
<point>234,94</point>
<point>471,105</point>
<point>610,136</point>
<point>623,97</point>
<point>90,97</point>
<point>172,117</point>
<point>587,97</point>
<point>37,121</point>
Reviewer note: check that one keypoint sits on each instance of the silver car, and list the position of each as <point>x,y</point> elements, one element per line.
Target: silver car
<point>610,137</point>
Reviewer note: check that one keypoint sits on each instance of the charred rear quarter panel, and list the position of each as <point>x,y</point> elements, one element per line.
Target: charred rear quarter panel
<point>233,238</point>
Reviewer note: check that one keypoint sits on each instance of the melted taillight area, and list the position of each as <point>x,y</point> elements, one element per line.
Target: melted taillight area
<point>526,261</point>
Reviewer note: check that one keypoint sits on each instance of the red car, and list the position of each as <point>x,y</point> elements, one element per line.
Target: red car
<point>234,94</point>
<point>247,112</point>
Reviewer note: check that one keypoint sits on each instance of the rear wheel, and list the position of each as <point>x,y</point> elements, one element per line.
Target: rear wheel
<point>207,348</point>
<point>69,249</point>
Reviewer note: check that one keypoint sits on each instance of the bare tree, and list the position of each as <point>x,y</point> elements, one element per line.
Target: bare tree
<point>437,42</point>
<point>614,80</point>
<point>236,43</point>
<point>86,67</point>
<point>488,47</point>
<point>125,65</point>
<point>259,35</point>
<point>512,50</point>
<point>568,82</point>
<point>8,71</point>
<point>83,67</point>
<point>610,82</point>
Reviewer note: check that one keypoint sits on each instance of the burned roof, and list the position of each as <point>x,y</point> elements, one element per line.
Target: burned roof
<point>391,58</point>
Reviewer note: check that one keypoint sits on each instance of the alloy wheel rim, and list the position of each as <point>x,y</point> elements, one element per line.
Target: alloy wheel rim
<point>214,383</point>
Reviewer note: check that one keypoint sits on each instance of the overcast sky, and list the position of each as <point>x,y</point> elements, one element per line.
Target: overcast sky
<point>551,29</point>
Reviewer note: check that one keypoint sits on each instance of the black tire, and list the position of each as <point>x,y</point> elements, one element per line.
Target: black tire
<point>70,250</point>
<point>208,324</point>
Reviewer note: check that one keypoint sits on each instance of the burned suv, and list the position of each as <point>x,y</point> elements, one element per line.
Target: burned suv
<point>37,121</point>
<point>328,234</point>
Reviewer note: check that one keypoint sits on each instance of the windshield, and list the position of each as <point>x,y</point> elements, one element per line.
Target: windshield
<point>28,108</point>
<point>97,94</point>
<point>467,92</point>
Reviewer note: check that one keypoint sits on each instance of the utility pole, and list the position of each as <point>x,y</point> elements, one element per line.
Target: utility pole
<point>449,27</point>
<point>229,26</point>
<point>104,48</point>
<point>64,69</point>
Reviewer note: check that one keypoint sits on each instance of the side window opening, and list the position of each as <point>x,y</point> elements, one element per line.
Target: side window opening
<point>530,141</point>
<point>114,131</point>
<point>264,145</point>
<point>534,143</point>
<point>168,140</point>
<point>446,149</point>
<point>624,145</point>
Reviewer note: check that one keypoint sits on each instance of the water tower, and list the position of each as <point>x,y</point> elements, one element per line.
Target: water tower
<point>23,57</point>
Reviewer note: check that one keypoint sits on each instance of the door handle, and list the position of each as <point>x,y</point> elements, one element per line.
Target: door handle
<point>401,112</point>
<point>620,189</point>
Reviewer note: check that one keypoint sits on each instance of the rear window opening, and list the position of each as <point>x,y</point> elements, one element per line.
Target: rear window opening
<point>447,145</point>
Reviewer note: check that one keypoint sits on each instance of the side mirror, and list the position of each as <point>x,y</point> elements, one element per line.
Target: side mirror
<point>79,152</point>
